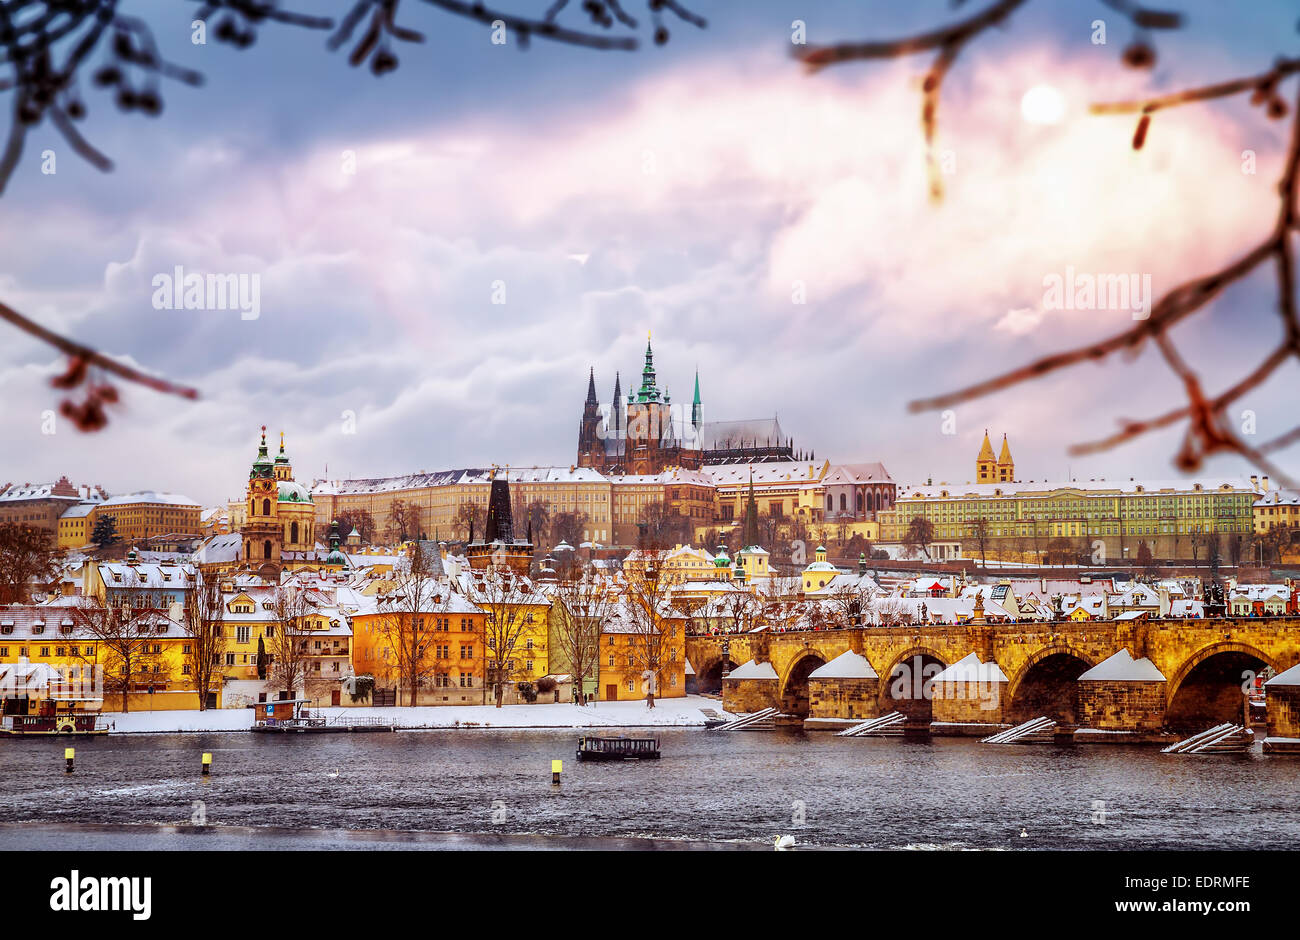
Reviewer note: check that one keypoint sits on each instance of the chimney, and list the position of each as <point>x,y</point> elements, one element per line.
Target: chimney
<point>1265,482</point>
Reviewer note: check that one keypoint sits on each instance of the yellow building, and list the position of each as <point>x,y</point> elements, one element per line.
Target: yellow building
<point>75,525</point>
<point>1103,517</point>
<point>1276,508</point>
<point>820,573</point>
<point>58,636</point>
<point>41,505</point>
<point>435,499</point>
<point>676,566</point>
<point>453,668</point>
<point>533,646</point>
<point>139,516</point>
<point>786,488</point>
<point>626,642</point>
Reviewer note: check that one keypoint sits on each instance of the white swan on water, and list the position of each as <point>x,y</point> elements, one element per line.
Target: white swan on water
<point>781,843</point>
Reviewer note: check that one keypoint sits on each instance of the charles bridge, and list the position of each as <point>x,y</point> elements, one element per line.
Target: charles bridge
<point>1206,665</point>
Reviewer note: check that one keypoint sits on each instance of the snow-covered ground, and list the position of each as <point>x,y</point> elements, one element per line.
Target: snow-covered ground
<point>679,712</point>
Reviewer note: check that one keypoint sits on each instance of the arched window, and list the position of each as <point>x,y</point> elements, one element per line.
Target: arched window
<point>266,507</point>
<point>293,533</point>
<point>830,502</point>
<point>266,549</point>
<point>843,502</point>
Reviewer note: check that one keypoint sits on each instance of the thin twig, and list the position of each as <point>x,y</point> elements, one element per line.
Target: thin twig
<point>77,350</point>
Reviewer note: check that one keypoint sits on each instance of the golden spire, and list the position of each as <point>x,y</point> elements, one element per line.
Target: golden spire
<point>986,449</point>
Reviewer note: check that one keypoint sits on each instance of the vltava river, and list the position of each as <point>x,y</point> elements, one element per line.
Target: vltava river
<point>738,787</point>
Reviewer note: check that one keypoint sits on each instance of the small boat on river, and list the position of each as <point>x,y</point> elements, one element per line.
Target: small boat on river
<point>619,748</point>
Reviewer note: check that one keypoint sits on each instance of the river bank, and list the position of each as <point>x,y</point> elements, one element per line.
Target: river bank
<point>681,712</point>
<point>135,837</point>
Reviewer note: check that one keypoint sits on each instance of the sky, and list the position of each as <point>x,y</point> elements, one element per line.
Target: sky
<point>694,191</point>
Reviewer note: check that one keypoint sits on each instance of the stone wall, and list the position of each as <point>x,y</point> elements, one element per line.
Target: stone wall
<point>749,695</point>
<point>1283,710</point>
<point>1121,706</point>
<point>982,702</point>
<point>844,698</point>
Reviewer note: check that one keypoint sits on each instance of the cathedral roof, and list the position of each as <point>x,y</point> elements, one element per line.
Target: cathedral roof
<point>1005,456</point>
<point>986,449</point>
<point>753,432</point>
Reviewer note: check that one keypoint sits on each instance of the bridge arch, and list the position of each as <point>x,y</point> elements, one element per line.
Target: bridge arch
<point>1208,689</point>
<point>1045,684</point>
<point>708,675</point>
<point>794,685</point>
<point>906,684</point>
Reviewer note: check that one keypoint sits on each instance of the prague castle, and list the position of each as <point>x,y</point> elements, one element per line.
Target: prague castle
<point>645,434</point>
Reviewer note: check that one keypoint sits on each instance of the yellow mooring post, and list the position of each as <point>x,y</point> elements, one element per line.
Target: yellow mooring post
<point>207,764</point>
<point>69,755</point>
<point>556,767</point>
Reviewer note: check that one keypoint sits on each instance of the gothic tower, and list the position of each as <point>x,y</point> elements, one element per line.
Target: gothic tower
<point>617,428</point>
<point>590,446</point>
<point>499,547</point>
<point>1006,466</point>
<point>986,466</point>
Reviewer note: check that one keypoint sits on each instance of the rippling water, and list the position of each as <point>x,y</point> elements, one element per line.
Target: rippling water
<point>741,787</point>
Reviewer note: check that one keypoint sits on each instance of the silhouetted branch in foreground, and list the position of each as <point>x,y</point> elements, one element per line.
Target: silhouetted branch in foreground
<point>1209,430</point>
<point>46,44</point>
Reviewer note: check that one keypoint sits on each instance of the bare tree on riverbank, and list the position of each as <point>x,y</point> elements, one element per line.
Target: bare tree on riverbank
<point>126,646</point>
<point>290,659</point>
<point>581,604</point>
<point>204,615</point>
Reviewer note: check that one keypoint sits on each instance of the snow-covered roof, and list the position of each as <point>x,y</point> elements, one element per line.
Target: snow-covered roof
<point>146,575</point>
<point>753,670</point>
<point>1261,592</point>
<point>1084,487</point>
<point>848,473</point>
<point>220,549</point>
<point>771,474</point>
<point>60,489</point>
<point>1279,498</point>
<point>1122,667</point>
<point>1286,677</point>
<point>79,511</point>
<point>847,665</point>
<point>149,496</point>
<point>410,481</point>
<point>970,669</point>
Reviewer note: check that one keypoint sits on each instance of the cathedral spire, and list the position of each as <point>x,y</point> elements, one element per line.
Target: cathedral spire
<point>697,410</point>
<point>648,391</point>
<point>749,534</point>
<point>591,386</point>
